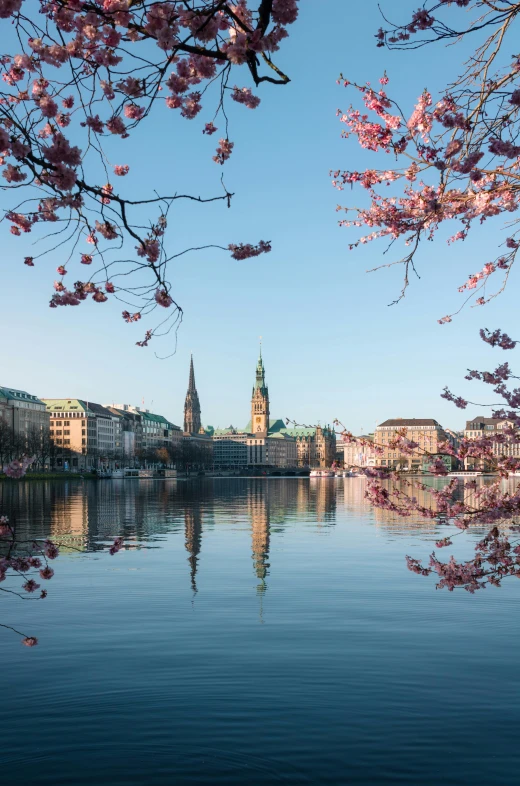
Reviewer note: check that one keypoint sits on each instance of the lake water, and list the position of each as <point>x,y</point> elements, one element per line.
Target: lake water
<point>253,631</point>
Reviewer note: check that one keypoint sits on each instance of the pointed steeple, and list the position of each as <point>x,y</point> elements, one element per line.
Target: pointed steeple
<point>191,384</point>
<point>192,422</point>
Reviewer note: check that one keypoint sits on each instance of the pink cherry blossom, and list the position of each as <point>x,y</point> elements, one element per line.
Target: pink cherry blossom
<point>29,641</point>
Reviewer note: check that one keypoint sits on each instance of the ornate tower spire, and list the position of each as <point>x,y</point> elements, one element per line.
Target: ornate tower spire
<point>260,400</point>
<point>192,423</point>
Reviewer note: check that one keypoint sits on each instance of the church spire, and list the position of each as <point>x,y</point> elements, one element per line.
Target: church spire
<point>192,422</point>
<point>191,384</point>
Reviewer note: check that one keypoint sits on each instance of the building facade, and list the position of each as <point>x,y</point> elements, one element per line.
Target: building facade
<point>23,413</point>
<point>426,432</point>
<point>131,432</point>
<point>480,427</point>
<point>230,449</point>
<point>85,435</point>
<point>316,446</point>
<point>152,433</point>
<point>352,454</point>
<point>266,442</point>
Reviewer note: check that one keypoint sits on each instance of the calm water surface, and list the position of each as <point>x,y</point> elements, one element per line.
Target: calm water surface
<point>254,631</point>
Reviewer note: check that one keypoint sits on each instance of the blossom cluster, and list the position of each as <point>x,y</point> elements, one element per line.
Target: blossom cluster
<point>81,73</point>
<point>462,504</point>
<point>456,155</point>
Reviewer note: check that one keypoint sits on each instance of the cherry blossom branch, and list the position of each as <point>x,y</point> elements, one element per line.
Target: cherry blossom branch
<point>86,72</point>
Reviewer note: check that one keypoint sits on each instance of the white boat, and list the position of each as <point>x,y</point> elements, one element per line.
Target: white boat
<point>117,474</point>
<point>322,473</point>
<point>138,473</point>
<point>464,474</point>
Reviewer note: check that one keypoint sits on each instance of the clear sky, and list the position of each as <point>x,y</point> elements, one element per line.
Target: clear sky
<point>331,346</point>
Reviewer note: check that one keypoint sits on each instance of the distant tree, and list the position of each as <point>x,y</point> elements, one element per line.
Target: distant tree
<point>173,453</point>
<point>163,456</point>
<point>7,442</point>
<point>40,445</point>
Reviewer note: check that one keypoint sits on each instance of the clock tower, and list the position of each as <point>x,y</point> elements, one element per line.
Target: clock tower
<point>260,402</point>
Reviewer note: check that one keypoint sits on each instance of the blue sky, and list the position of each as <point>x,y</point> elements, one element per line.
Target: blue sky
<point>331,346</point>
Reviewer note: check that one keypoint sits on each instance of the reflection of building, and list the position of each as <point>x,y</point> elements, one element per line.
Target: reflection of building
<point>193,535</point>
<point>23,412</point>
<point>258,507</point>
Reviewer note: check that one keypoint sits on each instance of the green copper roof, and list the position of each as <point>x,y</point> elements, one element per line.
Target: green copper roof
<point>65,405</point>
<point>20,395</point>
<point>157,419</point>
<point>301,432</point>
<point>275,425</point>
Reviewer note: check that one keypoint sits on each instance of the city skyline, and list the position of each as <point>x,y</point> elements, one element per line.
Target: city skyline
<point>309,297</point>
<point>237,420</point>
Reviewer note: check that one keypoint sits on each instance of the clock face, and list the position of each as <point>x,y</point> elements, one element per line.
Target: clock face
<point>259,420</point>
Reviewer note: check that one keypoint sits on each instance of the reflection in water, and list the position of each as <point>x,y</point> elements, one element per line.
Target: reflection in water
<point>193,535</point>
<point>78,515</point>
<point>359,672</point>
<point>81,514</point>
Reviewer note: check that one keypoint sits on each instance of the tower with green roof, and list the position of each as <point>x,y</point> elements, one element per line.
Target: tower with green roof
<point>260,401</point>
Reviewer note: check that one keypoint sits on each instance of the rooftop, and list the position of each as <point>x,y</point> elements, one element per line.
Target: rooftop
<point>13,393</point>
<point>411,422</point>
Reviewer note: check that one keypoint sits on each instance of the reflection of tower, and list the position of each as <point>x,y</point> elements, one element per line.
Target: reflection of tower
<point>259,512</point>
<point>192,405</point>
<point>325,501</point>
<point>193,533</point>
<point>260,401</point>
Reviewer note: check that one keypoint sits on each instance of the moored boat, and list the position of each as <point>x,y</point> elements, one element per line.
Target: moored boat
<point>464,473</point>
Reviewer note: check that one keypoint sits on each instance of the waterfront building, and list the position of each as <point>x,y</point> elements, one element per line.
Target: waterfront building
<point>428,434</point>
<point>154,432</point>
<point>316,446</point>
<point>230,448</point>
<point>24,413</point>
<point>158,432</point>
<point>85,435</point>
<point>352,454</point>
<point>266,442</point>
<point>131,432</point>
<point>483,426</point>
